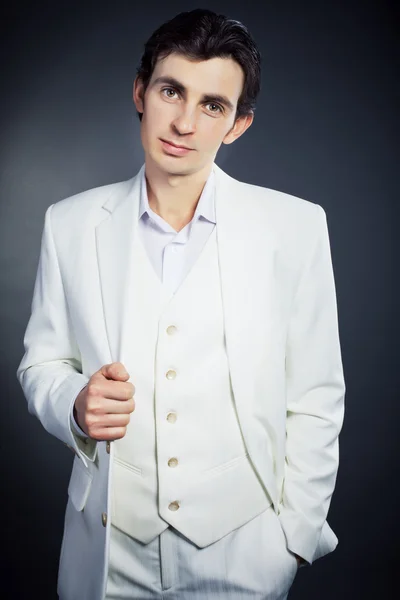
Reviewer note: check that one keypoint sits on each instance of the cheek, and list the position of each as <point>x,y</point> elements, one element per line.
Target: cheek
<point>150,124</point>
<point>159,115</point>
<point>213,131</point>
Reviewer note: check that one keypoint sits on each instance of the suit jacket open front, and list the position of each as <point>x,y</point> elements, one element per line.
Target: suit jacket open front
<point>282,343</point>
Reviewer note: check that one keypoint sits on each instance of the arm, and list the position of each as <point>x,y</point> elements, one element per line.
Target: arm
<point>50,372</point>
<point>315,399</point>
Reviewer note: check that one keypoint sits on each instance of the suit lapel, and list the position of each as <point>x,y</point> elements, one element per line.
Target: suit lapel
<point>247,248</point>
<point>114,238</point>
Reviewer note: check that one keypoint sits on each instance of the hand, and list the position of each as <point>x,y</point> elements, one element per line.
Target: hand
<point>102,408</point>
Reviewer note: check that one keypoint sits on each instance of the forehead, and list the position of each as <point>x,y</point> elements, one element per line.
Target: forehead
<point>213,76</point>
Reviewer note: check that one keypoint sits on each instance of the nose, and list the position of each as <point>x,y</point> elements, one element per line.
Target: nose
<point>185,121</point>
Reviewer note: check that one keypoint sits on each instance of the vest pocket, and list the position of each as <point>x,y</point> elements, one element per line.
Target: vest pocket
<point>79,484</point>
<point>226,465</point>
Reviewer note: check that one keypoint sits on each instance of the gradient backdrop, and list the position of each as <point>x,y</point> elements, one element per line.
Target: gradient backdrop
<point>324,131</point>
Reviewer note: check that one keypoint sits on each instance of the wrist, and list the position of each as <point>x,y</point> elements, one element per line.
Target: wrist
<point>75,414</point>
<point>78,399</point>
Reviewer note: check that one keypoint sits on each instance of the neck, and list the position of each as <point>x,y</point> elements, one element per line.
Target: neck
<point>174,197</point>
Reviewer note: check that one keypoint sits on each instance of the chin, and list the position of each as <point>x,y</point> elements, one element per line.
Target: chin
<point>173,164</point>
<point>178,170</point>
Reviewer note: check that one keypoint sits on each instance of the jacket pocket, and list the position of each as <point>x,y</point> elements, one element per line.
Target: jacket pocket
<point>79,484</point>
<point>123,463</point>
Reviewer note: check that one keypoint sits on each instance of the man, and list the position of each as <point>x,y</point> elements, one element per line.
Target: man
<point>184,343</point>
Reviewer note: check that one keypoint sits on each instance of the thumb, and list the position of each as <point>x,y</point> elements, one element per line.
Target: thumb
<point>115,371</point>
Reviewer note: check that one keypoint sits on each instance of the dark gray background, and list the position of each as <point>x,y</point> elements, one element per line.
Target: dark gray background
<point>324,130</point>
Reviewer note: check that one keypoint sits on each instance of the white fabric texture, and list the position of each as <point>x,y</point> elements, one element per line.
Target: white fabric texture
<point>213,481</point>
<point>251,562</point>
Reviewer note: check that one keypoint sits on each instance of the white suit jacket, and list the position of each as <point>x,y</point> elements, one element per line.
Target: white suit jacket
<point>282,342</point>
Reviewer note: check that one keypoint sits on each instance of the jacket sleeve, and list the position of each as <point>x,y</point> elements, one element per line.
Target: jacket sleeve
<point>50,372</point>
<point>315,400</point>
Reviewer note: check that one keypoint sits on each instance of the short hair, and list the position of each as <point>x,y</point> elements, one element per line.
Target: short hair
<point>200,35</point>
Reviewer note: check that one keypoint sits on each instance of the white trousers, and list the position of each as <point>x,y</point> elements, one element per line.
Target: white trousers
<point>250,562</point>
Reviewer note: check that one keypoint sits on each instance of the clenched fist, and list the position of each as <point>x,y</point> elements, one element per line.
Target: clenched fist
<point>102,409</point>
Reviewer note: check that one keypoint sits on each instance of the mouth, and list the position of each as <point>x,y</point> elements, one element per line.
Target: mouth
<point>174,149</point>
<point>175,145</point>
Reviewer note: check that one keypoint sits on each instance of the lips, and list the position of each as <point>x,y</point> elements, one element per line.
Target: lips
<point>172,149</point>
<point>176,145</point>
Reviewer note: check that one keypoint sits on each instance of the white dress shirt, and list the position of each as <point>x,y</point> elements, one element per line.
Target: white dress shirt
<point>173,253</point>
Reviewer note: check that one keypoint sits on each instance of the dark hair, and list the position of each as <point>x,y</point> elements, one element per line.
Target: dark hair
<point>200,35</point>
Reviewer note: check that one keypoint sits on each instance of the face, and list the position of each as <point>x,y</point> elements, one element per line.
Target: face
<point>191,105</point>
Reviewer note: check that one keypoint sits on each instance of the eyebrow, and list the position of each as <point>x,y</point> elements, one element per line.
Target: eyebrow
<point>183,90</point>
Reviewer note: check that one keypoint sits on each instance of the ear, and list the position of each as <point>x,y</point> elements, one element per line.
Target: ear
<point>238,129</point>
<point>138,94</point>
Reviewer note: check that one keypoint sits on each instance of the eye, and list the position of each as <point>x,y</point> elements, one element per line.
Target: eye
<point>165,92</point>
<point>215,108</point>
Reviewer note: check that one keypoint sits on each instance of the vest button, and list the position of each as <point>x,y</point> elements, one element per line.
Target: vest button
<point>171,329</point>
<point>173,506</point>
<point>173,462</point>
<point>171,417</point>
<point>104,519</point>
<point>171,374</point>
<point>108,447</point>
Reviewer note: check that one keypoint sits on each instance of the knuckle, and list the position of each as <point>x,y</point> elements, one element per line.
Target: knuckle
<point>89,421</point>
<point>94,389</point>
<point>94,405</point>
<point>96,409</point>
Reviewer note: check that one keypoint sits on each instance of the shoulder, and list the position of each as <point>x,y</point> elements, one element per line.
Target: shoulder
<point>262,216</point>
<point>281,212</point>
<point>86,206</point>
<point>279,203</point>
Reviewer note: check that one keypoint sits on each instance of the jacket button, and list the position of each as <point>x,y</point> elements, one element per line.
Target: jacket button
<point>173,462</point>
<point>173,506</point>
<point>171,374</point>
<point>104,519</point>
<point>108,447</point>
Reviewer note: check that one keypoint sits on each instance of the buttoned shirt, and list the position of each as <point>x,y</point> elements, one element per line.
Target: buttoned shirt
<point>173,253</point>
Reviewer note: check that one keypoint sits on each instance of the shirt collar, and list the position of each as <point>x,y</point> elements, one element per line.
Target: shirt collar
<point>205,207</point>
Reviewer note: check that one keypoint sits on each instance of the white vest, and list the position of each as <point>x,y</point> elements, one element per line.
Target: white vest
<point>183,461</point>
